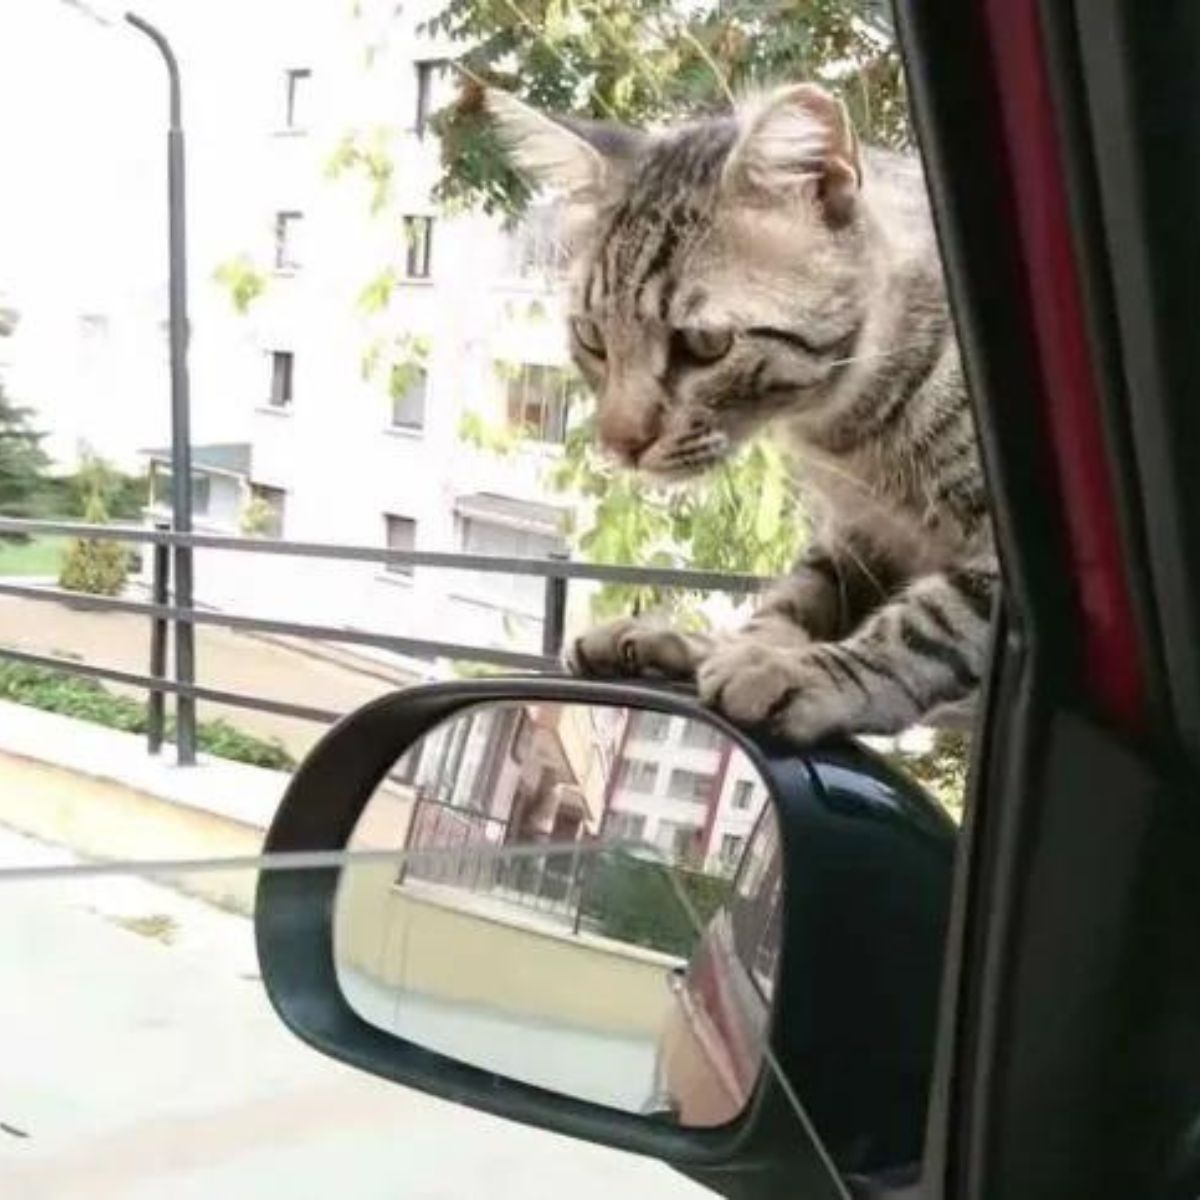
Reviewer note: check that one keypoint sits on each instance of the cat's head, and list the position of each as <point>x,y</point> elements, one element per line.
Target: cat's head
<point>719,269</point>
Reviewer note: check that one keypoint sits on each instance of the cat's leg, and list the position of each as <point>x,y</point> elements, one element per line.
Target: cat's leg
<point>824,597</point>
<point>923,649</point>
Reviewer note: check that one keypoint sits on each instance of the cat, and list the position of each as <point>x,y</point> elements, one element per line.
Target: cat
<point>762,270</point>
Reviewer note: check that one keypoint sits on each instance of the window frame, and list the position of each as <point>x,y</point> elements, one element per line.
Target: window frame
<point>293,76</point>
<point>395,402</point>
<point>287,222</point>
<point>283,372</point>
<point>418,246</point>
<point>391,568</point>
<point>554,412</point>
<point>427,71</point>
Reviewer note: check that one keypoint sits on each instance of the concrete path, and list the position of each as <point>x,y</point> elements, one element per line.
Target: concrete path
<point>227,660</point>
<point>141,1061</point>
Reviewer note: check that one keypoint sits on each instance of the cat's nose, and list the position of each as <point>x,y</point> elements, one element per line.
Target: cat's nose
<point>630,432</point>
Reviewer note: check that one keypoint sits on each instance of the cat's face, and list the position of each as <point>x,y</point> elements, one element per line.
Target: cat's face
<point>718,271</point>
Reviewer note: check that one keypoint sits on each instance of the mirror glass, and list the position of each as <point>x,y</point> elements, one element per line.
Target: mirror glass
<point>585,898</point>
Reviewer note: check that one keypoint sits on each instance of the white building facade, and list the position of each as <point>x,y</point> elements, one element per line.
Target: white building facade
<point>464,331</point>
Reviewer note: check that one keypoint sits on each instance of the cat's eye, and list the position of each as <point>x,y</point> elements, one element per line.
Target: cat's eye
<point>589,335</point>
<point>706,345</point>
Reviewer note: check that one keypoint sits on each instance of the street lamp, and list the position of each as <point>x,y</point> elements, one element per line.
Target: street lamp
<point>181,442</point>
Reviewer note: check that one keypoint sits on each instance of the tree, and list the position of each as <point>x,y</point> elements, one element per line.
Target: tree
<point>22,460</point>
<point>642,61</point>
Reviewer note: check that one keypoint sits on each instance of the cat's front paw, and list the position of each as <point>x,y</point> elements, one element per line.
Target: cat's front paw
<point>636,647</point>
<point>792,691</point>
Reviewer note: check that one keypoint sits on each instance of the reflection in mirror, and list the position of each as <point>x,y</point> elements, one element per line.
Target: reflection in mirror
<point>588,900</point>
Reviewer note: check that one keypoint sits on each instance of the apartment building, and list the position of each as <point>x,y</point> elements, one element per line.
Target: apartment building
<point>565,773</point>
<point>685,788</point>
<point>378,342</point>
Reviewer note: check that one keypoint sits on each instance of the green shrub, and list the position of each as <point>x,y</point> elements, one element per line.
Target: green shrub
<point>92,565</point>
<point>635,900</point>
<point>88,700</point>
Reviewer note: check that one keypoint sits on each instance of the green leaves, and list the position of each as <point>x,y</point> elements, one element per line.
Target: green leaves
<point>398,360</point>
<point>242,280</point>
<point>643,61</point>
<point>366,154</point>
<point>742,518</point>
<point>376,294</point>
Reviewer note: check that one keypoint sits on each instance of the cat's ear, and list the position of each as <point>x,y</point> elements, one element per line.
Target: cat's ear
<point>579,158</point>
<point>798,142</point>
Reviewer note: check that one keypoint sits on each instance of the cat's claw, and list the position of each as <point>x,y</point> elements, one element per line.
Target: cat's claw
<point>636,647</point>
<point>785,690</point>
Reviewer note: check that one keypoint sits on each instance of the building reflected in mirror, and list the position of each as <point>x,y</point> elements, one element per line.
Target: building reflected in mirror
<point>571,774</point>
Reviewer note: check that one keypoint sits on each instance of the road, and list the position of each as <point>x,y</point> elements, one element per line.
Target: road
<point>226,660</point>
<point>141,1061</point>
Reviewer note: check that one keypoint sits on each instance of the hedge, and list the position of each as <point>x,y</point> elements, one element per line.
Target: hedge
<point>635,900</point>
<point>87,700</point>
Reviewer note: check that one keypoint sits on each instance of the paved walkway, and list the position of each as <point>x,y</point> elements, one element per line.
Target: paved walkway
<point>225,659</point>
<point>142,1061</point>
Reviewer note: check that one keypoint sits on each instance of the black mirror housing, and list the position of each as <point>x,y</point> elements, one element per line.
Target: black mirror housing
<point>869,859</point>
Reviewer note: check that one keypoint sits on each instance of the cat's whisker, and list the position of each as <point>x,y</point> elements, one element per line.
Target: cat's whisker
<point>830,468</point>
<point>875,354</point>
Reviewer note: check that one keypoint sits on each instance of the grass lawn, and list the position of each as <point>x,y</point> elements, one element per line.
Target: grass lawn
<point>38,556</point>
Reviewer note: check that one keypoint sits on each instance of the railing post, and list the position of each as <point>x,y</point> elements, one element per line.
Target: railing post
<point>160,594</point>
<point>554,617</point>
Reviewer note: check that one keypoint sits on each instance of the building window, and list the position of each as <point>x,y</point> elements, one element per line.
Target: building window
<point>624,826</point>
<point>282,363</point>
<point>677,839</point>
<point>433,87</point>
<point>699,735</point>
<point>418,241</point>
<point>730,851</point>
<point>408,398</point>
<point>161,483</point>
<point>638,776</point>
<point>535,247</point>
<point>690,785</point>
<point>743,793</point>
<point>288,226</point>
<point>296,98</point>
<point>524,594</point>
<point>537,400</point>
<point>651,726</point>
<point>271,502</point>
<point>401,534</point>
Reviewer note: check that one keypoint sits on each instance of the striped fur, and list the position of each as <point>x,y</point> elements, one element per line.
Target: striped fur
<point>760,273</point>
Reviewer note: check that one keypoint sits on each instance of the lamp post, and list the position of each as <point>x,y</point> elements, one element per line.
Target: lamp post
<point>181,444</point>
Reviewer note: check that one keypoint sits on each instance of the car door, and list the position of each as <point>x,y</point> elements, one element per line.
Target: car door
<point>1064,154</point>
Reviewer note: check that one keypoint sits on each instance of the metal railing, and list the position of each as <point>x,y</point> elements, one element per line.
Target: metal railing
<point>161,611</point>
<point>550,884</point>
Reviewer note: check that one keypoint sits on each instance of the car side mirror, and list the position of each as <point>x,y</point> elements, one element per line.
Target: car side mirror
<point>601,909</point>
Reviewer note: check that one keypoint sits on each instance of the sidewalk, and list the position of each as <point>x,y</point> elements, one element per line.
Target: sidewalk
<point>235,791</point>
<point>97,792</point>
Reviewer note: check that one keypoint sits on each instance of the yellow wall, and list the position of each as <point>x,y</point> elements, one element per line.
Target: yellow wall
<point>419,944</point>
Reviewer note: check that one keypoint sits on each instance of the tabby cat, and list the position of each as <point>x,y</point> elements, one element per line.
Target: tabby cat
<point>762,269</point>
